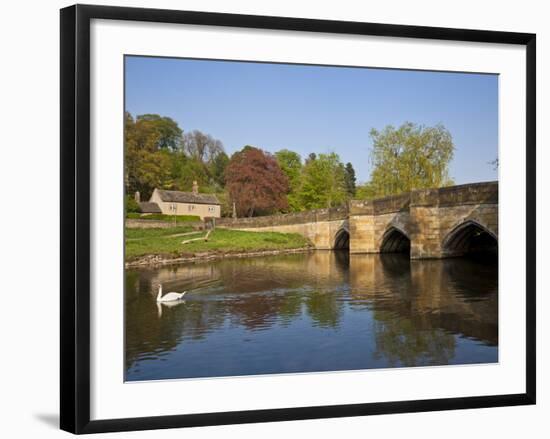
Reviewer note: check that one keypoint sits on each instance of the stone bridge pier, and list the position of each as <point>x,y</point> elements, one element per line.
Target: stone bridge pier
<point>426,223</point>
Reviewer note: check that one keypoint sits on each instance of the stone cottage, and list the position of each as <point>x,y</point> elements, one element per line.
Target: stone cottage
<point>187,203</point>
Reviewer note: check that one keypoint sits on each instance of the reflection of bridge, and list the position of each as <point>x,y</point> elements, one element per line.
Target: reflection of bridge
<point>428,223</point>
<point>417,305</point>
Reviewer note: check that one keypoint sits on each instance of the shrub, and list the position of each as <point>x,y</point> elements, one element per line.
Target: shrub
<point>131,204</point>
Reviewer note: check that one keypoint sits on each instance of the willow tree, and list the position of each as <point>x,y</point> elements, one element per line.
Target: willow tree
<point>410,157</point>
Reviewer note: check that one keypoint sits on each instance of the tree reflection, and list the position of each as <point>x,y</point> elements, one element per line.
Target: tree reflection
<point>323,309</point>
<point>406,342</point>
<point>406,313</point>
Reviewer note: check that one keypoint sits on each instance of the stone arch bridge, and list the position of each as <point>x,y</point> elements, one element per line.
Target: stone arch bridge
<point>426,223</point>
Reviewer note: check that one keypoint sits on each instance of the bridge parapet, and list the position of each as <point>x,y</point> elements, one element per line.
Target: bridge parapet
<point>436,222</point>
<point>309,216</point>
<point>320,226</point>
<point>437,214</point>
<point>476,193</point>
<point>426,217</point>
<point>380,206</point>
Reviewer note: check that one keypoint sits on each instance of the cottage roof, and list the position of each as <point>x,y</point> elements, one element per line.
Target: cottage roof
<point>149,207</point>
<point>187,197</point>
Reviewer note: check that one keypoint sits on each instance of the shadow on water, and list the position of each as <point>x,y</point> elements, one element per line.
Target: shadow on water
<point>323,310</point>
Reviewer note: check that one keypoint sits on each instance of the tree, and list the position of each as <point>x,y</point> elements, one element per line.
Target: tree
<point>185,170</point>
<point>148,163</point>
<point>311,157</point>
<point>350,179</point>
<point>256,183</point>
<point>130,204</point>
<point>410,157</point>
<point>365,191</point>
<point>158,155</point>
<point>202,146</point>
<point>217,168</point>
<point>291,164</point>
<point>168,133</point>
<point>323,182</point>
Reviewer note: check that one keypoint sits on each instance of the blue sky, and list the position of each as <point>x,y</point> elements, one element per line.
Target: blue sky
<point>319,109</point>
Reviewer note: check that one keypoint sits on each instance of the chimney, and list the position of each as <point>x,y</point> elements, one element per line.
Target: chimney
<point>137,197</point>
<point>195,187</point>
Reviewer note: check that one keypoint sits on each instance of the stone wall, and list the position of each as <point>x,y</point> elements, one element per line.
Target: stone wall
<point>427,217</point>
<point>310,216</point>
<point>437,213</point>
<point>153,224</point>
<point>319,226</point>
<point>370,220</point>
<point>474,193</point>
<point>435,225</point>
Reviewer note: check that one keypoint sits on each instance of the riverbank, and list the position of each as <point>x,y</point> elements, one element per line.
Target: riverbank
<point>181,244</point>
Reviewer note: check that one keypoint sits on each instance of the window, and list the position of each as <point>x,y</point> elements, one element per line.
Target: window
<point>191,207</point>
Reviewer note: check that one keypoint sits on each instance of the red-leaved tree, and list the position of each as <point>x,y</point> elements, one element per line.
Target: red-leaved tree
<point>256,183</point>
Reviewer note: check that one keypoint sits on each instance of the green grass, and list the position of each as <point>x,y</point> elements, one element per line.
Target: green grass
<point>142,242</point>
<point>155,233</point>
<point>162,217</point>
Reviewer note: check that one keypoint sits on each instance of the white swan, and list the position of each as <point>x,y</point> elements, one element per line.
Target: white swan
<point>169,297</point>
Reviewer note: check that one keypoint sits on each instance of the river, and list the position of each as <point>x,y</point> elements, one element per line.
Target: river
<point>310,312</point>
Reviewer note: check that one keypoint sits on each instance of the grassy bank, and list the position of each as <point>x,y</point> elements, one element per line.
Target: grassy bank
<point>139,234</point>
<point>162,217</point>
<point>168,242</point>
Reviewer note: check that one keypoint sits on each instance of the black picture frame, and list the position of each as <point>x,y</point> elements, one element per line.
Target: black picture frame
<point>75,217</point>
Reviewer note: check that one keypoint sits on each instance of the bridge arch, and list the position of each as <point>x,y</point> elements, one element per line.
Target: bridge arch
<point>341,239</point>
<point>395,240</point>
<point>469,236</point>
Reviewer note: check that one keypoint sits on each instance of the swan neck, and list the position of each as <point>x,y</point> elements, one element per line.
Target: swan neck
<point>160,292</point>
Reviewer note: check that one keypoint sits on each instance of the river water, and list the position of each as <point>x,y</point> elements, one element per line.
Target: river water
<point>310,312</point>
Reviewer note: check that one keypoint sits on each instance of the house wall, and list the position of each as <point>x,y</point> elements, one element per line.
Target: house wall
<point>202,210</point>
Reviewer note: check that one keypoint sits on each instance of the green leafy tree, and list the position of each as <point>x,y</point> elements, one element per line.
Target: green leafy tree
<point>148,163</point>
<point>217,168</point>
<point>168,134</point>
<point>158,155</point>
<point>131,205</point>
<point>186,170</point>
<point>323,182</point>
<point>365,191</point>
<point>291,164</point>
<point>410,157</point>
<point>350,179</point>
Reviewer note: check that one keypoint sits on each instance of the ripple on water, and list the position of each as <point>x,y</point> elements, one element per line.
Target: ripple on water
<point>310,312</point>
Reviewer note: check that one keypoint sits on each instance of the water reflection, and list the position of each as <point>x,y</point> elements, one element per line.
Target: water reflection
<point>161,305</point>
<point>316,311</point>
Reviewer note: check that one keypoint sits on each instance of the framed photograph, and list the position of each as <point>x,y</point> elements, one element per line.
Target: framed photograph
<point>268,218</point>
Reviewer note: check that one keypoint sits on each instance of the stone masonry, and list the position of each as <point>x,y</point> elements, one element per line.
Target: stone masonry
<point>435,223</point>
